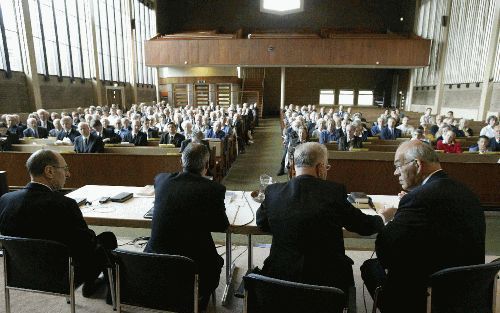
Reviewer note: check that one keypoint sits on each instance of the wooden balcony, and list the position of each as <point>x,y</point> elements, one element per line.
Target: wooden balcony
<point>345,51</point>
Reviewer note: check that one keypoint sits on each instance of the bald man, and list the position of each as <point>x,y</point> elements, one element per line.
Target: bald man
<point>439,224</point>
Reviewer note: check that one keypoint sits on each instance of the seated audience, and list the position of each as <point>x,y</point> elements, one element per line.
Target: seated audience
<point>197,137</point>
<point>187,126</point>
<point>489,130</point>
<point>33,130</point>
<point>44,121</point>
<point>301,138</point>
<point>448,144</point>
<point>107,135</point>
<point>13,125</point>
<point>40,211</point>
<point>439,123</point>
<point>377,129</point>
<point>54,132</point>
<point>390,132</point>
<point>88,142</point>
<point>309,209</point>
<point>119,129</point>
<point>495,141</point>
<point>330,134</point>
<point>349,141</point>
<point>482,145</point>
<point>215,132</point>
<point>463,128</point>
<point>172,136</point>
<point>405,128</point>
<point>418,134</point>
<point>150,131</point>
<point>187,208</point>
<point>427,118</point>
<point>68,131</point>
<point>439,224</point>
<point>135,136</point>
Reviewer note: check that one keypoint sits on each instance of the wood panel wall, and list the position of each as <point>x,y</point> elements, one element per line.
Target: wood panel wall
<point>388,52</point>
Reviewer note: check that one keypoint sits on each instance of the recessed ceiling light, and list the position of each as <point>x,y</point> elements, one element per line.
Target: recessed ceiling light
<point>281,6</point>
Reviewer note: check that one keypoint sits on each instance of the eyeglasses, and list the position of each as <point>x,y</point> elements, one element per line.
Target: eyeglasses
<point>66,167</point>
<point>398,167</point>
<point>327,166</point>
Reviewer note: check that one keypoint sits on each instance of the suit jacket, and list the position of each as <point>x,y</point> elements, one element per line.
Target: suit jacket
<point>153,132</point>
<point>48,125</point>
<point>37,212</point>
<point>94,144</point>
<point>141,139</point>
<point>494,144</point>
<point>40,132</point>
<point>109,133</point>
<point>16,129</point>
<point>72,134</point>
<point>376,130</point>
<point>306,210</point>
<point>187,208</point>
<point>386,133</point>
<point>355,142</point>
<point>210,133</point>
<point>176,140</point>
<point>438,225</point>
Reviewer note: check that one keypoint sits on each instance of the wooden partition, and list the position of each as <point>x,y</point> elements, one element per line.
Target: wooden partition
<point>97,169</point>
<point>373,173</point>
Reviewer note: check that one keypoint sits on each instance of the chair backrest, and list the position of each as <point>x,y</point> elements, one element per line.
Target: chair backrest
<point>36,264</point>
<point>266,295</point>
<point>464,288</point>
<point>4,187</point>
<point>156,281</point>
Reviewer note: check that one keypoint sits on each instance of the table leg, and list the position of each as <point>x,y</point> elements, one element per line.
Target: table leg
<point>229,268</point>
<point>250,253</point>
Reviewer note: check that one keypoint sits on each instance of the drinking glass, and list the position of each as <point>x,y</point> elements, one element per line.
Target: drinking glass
<point>265,180</point>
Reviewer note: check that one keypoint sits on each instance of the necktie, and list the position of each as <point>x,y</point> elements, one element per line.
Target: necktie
<point>85,143</point>
<point>36,133</point>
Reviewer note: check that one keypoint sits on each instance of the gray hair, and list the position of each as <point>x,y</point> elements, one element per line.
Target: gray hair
<point>37,162</point>
<point>195,157</point>
<point>309,154</point>
<point>197,136</point>
<point>416,149</point>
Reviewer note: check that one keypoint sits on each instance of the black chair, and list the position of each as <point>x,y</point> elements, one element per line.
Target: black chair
<point>269,295</point>
<point>38,265</point>
<point>156,281</point>
<point>464,289</point>
<point>4,187</point>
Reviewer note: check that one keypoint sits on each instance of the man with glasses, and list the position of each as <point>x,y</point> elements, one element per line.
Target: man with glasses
<point>306,211</point>
<point>439,224</point>
<point>40,211</point>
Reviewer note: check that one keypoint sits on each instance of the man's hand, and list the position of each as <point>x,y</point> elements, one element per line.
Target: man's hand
<point>401,194</point>
<point>387,212</point>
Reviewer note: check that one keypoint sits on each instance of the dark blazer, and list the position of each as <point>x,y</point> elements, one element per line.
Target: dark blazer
<point>16,129</point>
<point>37,212</point>
<point>72,134</point>
<point>141,139</point>
<point>41,132</point>
<point>49,125</point>
<point>376,130</point>
<point>94,144</point>
<point>176,140</point>
<point>187,208</point>
<point>210,133</point>
<point>437,225</point>
<point>494,144</point>
<point>306,210</point>
<point>153,132</point>
<point>356,142</point>
<point>109,133</point>
<point>386,133</point>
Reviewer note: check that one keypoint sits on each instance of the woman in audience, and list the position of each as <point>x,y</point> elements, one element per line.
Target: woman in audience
<point>489,130</point>
<point>448,143</point>
<point>187,126</point>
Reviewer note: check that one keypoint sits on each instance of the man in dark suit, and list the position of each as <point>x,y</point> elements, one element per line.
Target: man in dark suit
<point>439,224</point>
<point>197,137</point>
<point>12,125</point>
<point>150,131</point>
<point>68,131</point>
<point>172,136</point>
<point>495,141</point>
<point>377,129</point>
<point>40,211</point>
<point>33,130</point>
<point>44,121</point>
<point>135,136</point>
<point>106,134</point>
<point>187,208</point>
<point>349,141</point>
<point>390,132</point>
<point>215,132</point>
<point>311,209</point>
<point>88,142</point>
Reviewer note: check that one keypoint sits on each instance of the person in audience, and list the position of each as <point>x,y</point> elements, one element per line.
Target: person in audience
<point>482,146</point>
<point>448,144</point>
<point>439,223</point>
<point>68,131</point>
<point>188,129</point>
<point>120,130</point>
<point>463,128</point>
<point>390,132</point>
<point>40,211</point>
<point>215,132</point>
<point>88,142</point>
<point>187,208</point>
<point>197,137</point>
<point>57,128</point>
<point>377,129</point>
<point>13,127</point>
<point>418,134</point>
<point>7,139</point>
<point>306,209</point>
<point>405,128</point>
<point>449,115</point>
<point>107,135</point>
<point>172,136</point>
<point>443,130</point>
<point>136,136</point>
<point>320,127</point>
<point>489,130</point>
<point>227,122</point>
<point>44,121</point>
<point>330,134</point>
<point>495,141</point>
<point>439,123</point>
<point>54,116</point>
<point>33,130</point>
<point>349,140</point>
<point>301,138</point>
<point>240,133</point>
<point>427,118</point>
<point>150,131</point>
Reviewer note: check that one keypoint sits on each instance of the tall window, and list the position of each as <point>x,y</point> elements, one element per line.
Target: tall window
<point>327,97</point>
<point>346,97</point>
<point>145,27</point>
<point>10,49</point>
<point>365,97</point>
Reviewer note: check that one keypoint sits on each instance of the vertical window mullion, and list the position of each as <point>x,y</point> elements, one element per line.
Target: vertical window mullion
<point>123,42</point>
<point>80,40</point>
<point>116,43</point>
<point>109,44</point>
<point>100,37</point>
<point>69,41</point>
<point>18,29</point>
<point>57,41</point>
<point>137,38</point>
<point>5,48</point>
<point>44,47</point>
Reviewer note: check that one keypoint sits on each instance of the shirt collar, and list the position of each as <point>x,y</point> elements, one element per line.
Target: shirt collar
<point>427,178</point>
<point>38,183</point>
